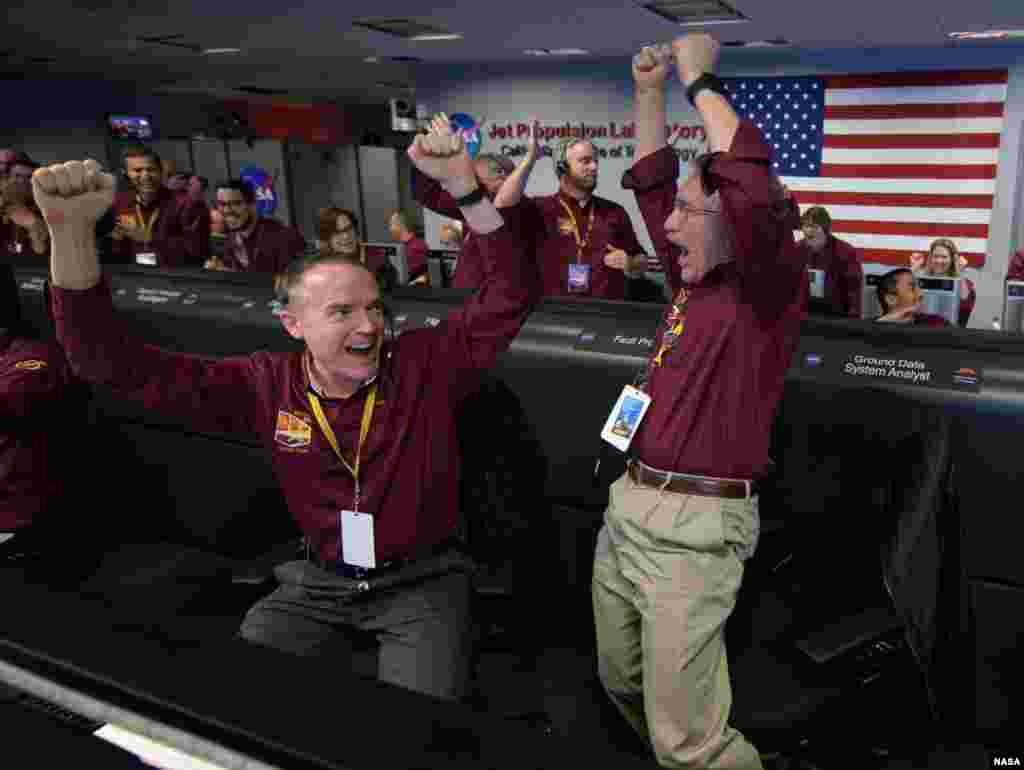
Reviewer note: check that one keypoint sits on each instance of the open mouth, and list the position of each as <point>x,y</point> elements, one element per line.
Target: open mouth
<point>364,349</point>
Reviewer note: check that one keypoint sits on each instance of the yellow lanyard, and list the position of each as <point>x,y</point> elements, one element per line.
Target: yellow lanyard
<point>147,227</point>
<point>581,243</point>
<point>675,324</point>
<point>364,431</point>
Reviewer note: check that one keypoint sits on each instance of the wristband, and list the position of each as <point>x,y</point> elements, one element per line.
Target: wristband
<point>707,81</point>
<point>469,199</point>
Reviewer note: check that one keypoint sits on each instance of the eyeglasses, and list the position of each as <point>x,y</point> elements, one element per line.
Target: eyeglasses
<point>688,211</point>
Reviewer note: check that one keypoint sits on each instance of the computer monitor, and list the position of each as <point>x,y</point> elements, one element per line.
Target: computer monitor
<point>435,269</point>
<point>1013,307</point>
<point>127,127</point>
<point>817,280</point>
<point>940,296</point>
<point>870,307</point>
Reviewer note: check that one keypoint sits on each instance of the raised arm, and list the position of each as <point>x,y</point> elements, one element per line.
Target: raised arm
<point>473,336</point>
<point>514,186</point>
<point>652,178</point>
<point>752,199</point>
<point>214,395</point>
<point>697,55</point>
<point>428,191</point>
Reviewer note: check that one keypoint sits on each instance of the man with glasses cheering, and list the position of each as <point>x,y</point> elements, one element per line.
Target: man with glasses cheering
<point>683,519</point>
<point>254,244</point>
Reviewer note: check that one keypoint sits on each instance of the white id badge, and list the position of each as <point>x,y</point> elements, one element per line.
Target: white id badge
<point>357,539</point>
<point>147,258</point>
<point>624,421</point>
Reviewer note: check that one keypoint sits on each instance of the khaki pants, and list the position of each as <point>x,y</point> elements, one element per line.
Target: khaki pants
<point>666,573</point>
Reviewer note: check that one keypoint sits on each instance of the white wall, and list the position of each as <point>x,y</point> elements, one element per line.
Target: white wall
<point>601,93</point>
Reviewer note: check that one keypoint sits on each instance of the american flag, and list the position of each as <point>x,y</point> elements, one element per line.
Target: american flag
<point>897,159</point>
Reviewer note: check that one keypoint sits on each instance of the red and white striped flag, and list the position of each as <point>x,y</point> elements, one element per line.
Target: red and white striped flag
<point>897,159</point>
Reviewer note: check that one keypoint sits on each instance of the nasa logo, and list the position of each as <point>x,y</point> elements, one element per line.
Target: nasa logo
<point>465,125</point>
<point>263,184</point>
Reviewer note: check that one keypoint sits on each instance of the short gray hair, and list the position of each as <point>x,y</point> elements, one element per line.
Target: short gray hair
<point>286,287</point>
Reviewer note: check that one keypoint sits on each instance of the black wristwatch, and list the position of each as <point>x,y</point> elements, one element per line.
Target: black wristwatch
<point>469,199</point>
<point>708,81</point>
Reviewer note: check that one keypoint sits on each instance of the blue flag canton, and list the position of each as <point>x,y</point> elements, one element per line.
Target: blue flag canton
<point>790,112</point>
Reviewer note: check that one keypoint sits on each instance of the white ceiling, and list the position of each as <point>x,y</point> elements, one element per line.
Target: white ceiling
<point>313,50</point>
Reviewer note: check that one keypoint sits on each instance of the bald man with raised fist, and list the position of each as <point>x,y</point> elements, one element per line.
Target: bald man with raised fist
<point>360,425</point>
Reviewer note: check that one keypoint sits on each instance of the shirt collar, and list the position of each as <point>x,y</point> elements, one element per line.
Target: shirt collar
<point>310,385</point>
<point>574,202</point>
<point>155,203</point>
<point>246,234</point>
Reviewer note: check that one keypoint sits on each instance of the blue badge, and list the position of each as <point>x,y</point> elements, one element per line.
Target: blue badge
<point>579,278</point>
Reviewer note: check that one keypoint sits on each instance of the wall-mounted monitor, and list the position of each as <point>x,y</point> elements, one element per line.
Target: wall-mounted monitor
<point>138,128</point>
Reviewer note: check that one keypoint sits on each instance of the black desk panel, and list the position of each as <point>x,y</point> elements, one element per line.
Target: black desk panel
<point>278,709</point>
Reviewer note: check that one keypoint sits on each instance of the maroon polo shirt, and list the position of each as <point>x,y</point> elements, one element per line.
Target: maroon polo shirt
<point>181,233</point>
<point>33,379</point>
<point>15,241</point>
<point>714,399</point>
<point>557,248</point>
<point>410,460</point>
<point>844,275</point>
<point>1015,272</point>
<point>269,247</point>
<point>470,268</point>
<point>468,272</point>
<point>967,305</point>
<point>416,253</point>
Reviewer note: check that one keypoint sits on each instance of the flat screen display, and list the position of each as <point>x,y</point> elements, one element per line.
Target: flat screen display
<point>132,127</point>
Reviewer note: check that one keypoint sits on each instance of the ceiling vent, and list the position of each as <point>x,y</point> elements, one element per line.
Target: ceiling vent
<point>406,29</point>
<point>695,13</point>
<point>170,41</point>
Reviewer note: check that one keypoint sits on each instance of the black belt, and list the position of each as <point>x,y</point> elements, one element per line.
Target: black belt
<point>369,573</point>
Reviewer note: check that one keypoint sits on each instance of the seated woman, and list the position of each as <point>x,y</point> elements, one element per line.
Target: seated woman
<point>944,260</point>
<point>338,235</point>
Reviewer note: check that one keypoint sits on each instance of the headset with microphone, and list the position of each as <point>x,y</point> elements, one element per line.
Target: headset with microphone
<point>562,157</point>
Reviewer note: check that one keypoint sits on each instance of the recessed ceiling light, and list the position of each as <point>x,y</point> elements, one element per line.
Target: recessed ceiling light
<point>555,52</point>
<point>992,34</point>
<point>757,43</point>
<point>215,51</point>
<point>440,36</point>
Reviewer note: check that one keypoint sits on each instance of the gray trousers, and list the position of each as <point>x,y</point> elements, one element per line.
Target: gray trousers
<point>417,618</point>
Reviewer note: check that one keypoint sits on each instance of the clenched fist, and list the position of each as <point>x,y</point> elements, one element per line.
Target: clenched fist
<point>73,194</point>
<point>651,66</point>
<point>695,54</point>
<point>442,156</point>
